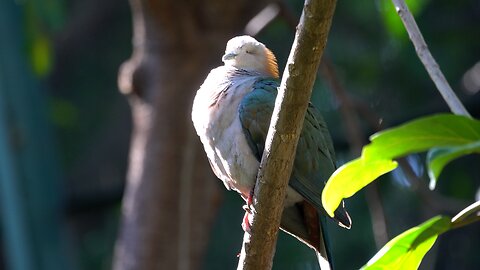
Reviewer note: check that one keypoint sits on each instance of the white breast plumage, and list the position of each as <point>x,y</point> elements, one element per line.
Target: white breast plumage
<point>215,116</point>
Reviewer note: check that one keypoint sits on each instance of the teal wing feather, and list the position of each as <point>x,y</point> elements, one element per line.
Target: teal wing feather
<point>314,159</point>
<point>255,112</point>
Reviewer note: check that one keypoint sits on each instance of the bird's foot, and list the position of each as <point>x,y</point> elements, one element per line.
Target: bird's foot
<point>248,211</point>
<point>246,222</point>
<point>249,202</point>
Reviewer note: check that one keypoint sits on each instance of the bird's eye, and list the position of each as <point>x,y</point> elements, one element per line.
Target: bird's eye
<point>249,52</point>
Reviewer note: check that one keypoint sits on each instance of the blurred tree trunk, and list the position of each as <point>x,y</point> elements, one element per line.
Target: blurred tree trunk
<point>170,194</point>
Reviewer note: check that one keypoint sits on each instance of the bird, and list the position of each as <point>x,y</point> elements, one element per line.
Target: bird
<point>231,114</point>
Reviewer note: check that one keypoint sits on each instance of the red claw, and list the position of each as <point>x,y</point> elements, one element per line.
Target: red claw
<point>246,222</point>
<point>248,211</point>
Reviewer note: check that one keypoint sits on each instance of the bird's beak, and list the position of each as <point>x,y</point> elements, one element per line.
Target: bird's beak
<point>228,56</point>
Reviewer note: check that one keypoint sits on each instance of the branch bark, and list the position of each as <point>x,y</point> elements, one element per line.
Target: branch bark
<point>427,59</point>
<point>287,121</point>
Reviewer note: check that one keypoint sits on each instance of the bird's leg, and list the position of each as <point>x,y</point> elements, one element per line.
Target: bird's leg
<point>248,211</point>
<point>249,201</point>
<point>246,222</point>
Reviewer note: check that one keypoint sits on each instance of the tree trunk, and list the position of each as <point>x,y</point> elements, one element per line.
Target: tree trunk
<point>170,192</point>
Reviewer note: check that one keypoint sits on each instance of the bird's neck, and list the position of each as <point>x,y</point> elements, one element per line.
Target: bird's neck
<point>246,72</point>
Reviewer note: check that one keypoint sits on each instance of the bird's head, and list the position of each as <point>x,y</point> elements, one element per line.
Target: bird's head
<point>245,52</point>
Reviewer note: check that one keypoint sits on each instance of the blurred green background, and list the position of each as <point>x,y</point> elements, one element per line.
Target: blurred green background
<point>65,129</point>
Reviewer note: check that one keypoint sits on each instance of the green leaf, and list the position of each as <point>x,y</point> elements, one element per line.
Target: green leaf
<point>422,134</point>
<point>419,135</point>
<point>438,157</point>
<point>407,250</point>
<point>350,178</point>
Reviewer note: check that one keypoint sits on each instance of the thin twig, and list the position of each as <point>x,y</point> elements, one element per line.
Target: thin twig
<point>262,19</point>
<point>427,59</point>
<point>471,210</point>
<point>347,109</point>
<point>356,141</point>
<point>377,213</point>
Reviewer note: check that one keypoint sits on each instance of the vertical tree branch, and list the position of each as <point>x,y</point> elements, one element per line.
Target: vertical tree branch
<point>287,121</point>
<point>427,59</point>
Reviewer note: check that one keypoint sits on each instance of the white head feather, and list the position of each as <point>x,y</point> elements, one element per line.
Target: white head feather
<point>245,52</point>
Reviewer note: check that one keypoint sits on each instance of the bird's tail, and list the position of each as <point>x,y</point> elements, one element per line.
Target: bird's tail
<point>323,262</point>
<point>305,223</point>
<point>317,235</point>
<point>322,251</point>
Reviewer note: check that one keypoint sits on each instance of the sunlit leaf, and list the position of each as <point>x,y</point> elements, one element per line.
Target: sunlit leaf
<point>422,134</point>
<point>438,157</point>
<point>377,157</point>
<point>350,178</point>
<point>407,250</point>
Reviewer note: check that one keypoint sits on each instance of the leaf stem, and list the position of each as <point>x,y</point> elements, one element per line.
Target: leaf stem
<point>466,216</point>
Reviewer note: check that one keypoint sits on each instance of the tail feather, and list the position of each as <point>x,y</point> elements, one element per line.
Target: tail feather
<point>324,255</point>
<point>305,223</point>
<point>323,261</point>
<point>316,227</point>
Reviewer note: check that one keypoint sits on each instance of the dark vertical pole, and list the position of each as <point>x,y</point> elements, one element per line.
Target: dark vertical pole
<point>29,173</point>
